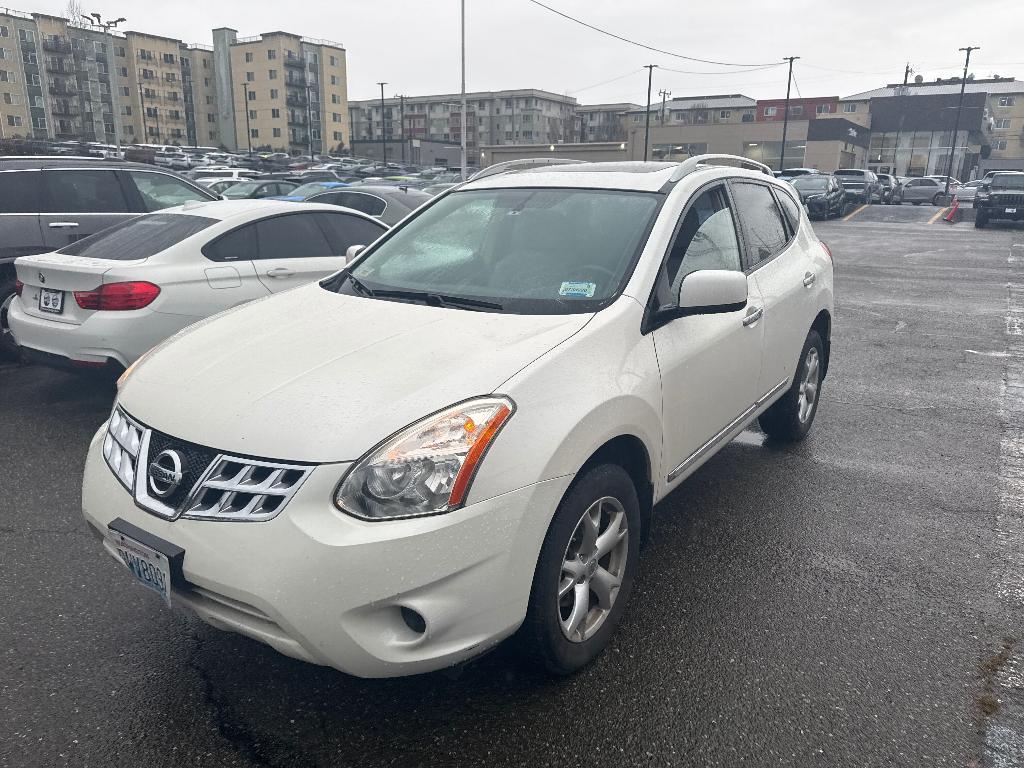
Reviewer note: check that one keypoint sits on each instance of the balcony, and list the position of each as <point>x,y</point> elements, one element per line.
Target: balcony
<point>62,90</point>
<point>295,100</point>
<point>294,119</point>
<point>57,46</point>
<point>60,67</point>
<point>295,81</point>
<point>295,61</point>
<point>64,108</point>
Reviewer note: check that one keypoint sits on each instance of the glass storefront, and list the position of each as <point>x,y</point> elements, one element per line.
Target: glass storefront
<point>919,153</point>
<point>677,152</point>
<point>769,152</point>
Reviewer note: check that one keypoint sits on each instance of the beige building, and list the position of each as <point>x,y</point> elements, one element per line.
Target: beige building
<point>288,93</point>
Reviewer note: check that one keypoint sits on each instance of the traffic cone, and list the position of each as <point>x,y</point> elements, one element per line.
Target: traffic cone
<point>952,217</point>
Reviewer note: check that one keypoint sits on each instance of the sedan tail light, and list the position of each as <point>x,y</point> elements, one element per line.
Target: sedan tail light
<point>18,286</point>
<point>118,296</point>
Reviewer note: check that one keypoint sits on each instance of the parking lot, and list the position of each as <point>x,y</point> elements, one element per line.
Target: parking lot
<point>852,600</point>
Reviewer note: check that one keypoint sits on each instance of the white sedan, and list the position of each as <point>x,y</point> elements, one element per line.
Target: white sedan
<point>110,297</point>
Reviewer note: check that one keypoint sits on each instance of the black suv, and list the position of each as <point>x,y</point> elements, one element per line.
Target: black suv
<point>49,202</point>
<point>1000,198</point>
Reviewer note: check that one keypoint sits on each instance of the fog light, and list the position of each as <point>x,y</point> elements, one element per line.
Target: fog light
<point>414,621</point>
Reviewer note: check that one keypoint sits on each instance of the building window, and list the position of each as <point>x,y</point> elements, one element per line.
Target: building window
<point>1001,123</point>
<point>123,71</point>
<point>168,58</point>
<point>999,145</point>
<point>271,54</point>
<point>28,36</point>
<point>823,109</point>
<point>725,114</point>
<point>213,135</point>
<point>170,77</point>
<point>275,113</point>
<point>335,98</point>
<point>248,57</point>
<point>252,95</point>
<point>126,90</point>
<point>250,77</point>
<point>119,51</point>
<point>152,130</point>
<point>12,98</point>
<point>145,55</point>
<point>174,114</point>
<point>5,31</point>
<point>151,112</point>
<point>126,109</point>
<point>277,133</point>
<point>336,117</point>
<point>272,74</point>
<point>211,118</point>
<point>206,82</point>
<point>39,122</point>
<point>334,79</point>
<point>254,133</point>
<point>796,110</point>
<point>1006,101</point>
<point>770,111</point>
<point>5,53</point>
<point>128,130</point>
<point>8,76</point>
<point>273,93</point>
<point>252,114</point>
<point>337,136</point>
<point>147,74</point>
<point>14,121</point>
<point>29,57</point>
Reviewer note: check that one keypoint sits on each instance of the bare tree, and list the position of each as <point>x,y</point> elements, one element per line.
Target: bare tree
<point>73,11</point>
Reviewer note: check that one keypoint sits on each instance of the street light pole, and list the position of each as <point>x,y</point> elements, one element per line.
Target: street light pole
<point>785,115</point>
<point>383,132</point>
<point>309,120</point>
<point>959,108</point>
<point>142,101</point>
<point>462,152</point>
<point>245,106</point>
<point>647,116</point>
<point>401,127</point>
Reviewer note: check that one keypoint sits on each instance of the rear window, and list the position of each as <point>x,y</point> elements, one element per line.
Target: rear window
<point>858,174</point>
<point>139,238</point>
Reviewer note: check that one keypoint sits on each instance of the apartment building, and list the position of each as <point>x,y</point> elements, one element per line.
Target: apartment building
<point>199,91</point>
<point>287,92</point>
<point>603,122</point>
<point>525,116</point>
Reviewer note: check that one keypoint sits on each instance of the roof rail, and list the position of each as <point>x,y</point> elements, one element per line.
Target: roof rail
<point>510,166</point>
<point>691,164</point>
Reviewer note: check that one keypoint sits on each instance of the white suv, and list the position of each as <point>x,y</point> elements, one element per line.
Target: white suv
<point>463,433</point>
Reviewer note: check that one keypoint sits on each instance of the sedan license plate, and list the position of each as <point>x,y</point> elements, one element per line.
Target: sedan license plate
<point>51,301</point>
<point>1011,210</point>
<point>150,568</point>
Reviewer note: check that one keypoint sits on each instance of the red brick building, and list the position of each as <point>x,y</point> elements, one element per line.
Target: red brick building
<point>772,110</point>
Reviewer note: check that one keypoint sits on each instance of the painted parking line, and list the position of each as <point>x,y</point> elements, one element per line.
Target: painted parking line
<point>938,215</point>
<point>853,213</point>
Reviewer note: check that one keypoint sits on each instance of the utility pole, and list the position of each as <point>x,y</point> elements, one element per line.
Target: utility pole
<point>401,116</point>
<point>785,115</point>
<point>462,152</point>
<point>309,119</point>
<point>907,73</point>
<point>959,108</point>
<point>106,26</point>
<point>663,93</point>
<point>383,132</point>
<point>647,116</point>
<point>245,106</point>
<point>142,101</point>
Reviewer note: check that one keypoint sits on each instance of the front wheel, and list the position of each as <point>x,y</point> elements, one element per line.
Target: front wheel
<point>937,200</point>
<point>791,416</point>
<point>585,571</point>
<point>980,221</point>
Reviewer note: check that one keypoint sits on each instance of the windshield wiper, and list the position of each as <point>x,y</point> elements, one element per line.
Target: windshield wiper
<point>359,285</point>
<point>437,299</point>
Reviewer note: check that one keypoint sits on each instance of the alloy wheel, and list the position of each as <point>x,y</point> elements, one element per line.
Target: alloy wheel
<point>809,383</point>
<point>593,568</point>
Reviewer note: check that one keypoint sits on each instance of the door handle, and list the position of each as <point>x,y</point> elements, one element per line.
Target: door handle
<point>753,316</point>
<point>809,279</point>
<point>280,272</point>
<point>63,224</point>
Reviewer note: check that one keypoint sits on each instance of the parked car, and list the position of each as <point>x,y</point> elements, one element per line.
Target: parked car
<point>822,193</point>
<point>922,190</point>
<point>50,202</point>
<point>889,186</point>
<point>307,190</point>
<point>860,185</point>
<point>1000,198</point>
<point>257,188</point>
<point>389,204</point>
<point>176,161</point>
<point>222,173</point>
<point>791,173</point>
<point>435,189</point>
<point>110,297</point>
<point>218,186</point>
<point>966,192</point>
<point>510,482</point>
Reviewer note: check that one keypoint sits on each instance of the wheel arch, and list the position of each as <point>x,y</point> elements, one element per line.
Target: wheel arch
<point>629,452</point>
<point>823,325</point>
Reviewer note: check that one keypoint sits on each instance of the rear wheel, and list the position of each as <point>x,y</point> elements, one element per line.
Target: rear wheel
<point>916,202</point>
<point>585,571</point>
<point>8,349</point>
<point>791,416</point>
<point>937,200</point>
<point>980,221</point>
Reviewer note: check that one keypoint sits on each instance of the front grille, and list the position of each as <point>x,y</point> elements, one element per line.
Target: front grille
<point>211,486</point>
<point>1001,199</point>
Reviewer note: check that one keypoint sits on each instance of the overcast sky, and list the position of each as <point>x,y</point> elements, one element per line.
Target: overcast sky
<point>414,46</point>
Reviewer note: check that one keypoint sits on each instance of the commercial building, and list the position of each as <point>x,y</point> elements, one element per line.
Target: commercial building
<point>64,80</point>
<point>526,116</point>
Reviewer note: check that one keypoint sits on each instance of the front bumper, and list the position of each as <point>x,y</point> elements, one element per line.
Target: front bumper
<point>320,586</point>
<point>122,337</point>
<point>999,211</point>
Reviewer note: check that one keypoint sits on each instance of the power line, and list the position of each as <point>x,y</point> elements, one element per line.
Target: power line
<point>606,82</point>
<point>730,72</point>
<point>634,42</point>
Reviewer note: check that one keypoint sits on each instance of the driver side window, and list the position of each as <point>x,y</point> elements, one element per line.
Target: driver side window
<point>706,239</point>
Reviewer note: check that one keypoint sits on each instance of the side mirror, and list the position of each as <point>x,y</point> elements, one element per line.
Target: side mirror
<point>712,291</point>
<point>352,252</point>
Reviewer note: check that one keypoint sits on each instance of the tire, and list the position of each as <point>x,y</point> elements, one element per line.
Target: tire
<point>8,349</point>
<point>916,202</point>
<point>783,420</point>
<point>937,200</point>
<point>980,222</point>
<point>608,490</point>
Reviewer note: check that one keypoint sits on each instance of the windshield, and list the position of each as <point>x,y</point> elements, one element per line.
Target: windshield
<point>531,251</point>
<point>810,183</point>
<point>243,189</point>
<point>305,190</point>
<point>139,238</point>
<point>1008,181</point>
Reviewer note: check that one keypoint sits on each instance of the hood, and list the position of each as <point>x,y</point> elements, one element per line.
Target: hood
<point>311,375</point>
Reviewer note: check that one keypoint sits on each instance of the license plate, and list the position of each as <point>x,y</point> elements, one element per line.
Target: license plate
<point>51,301</point>
<point>150,568</point>
<point>1011,210</point>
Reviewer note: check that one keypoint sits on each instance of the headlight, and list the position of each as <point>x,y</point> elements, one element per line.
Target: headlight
<point>426,468</point>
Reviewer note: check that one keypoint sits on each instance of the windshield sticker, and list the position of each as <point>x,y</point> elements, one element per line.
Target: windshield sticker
<point>577,289</point>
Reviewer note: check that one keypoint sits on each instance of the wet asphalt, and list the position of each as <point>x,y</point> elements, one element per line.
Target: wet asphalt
<point>834,603</point>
